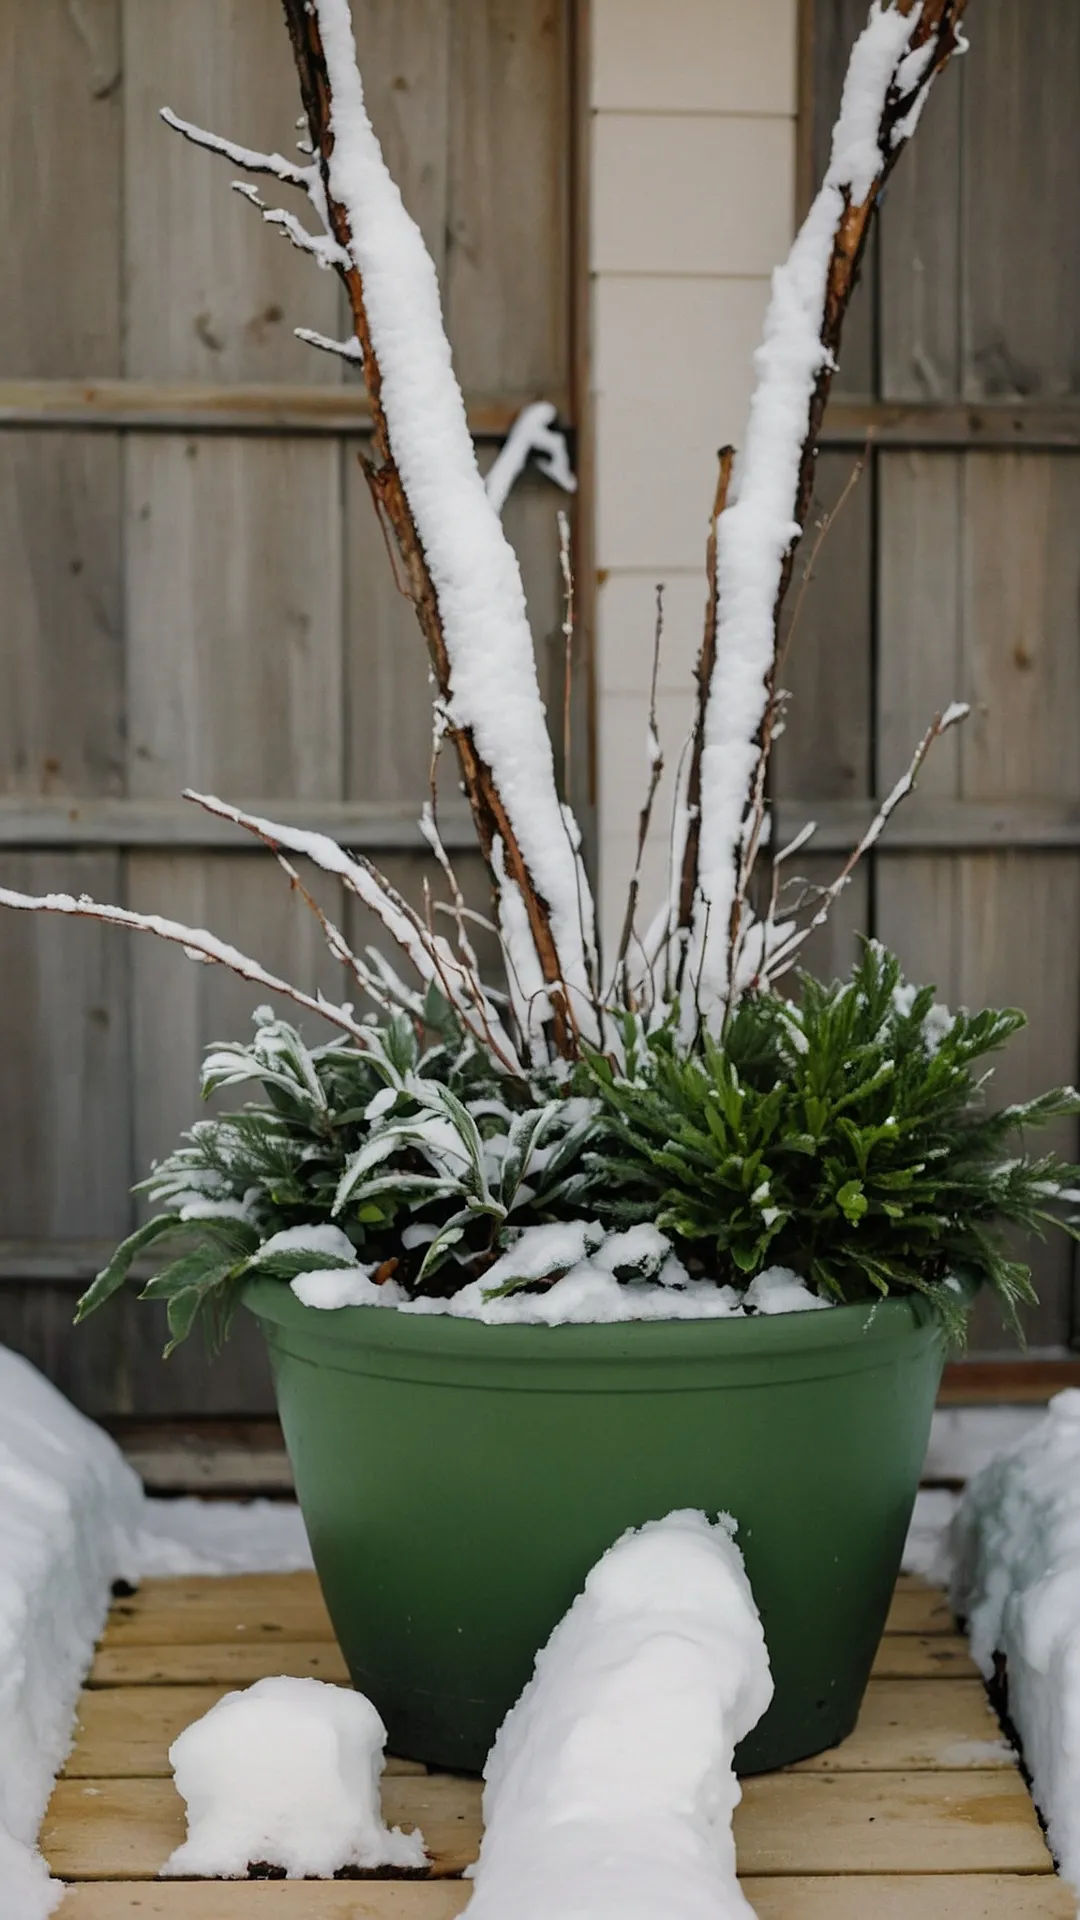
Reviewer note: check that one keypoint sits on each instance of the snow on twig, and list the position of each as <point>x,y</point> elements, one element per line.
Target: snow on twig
<point>197,944</point>
<point>321,246</point>
<point>345,349</point>
<point>432,956</point>
<point>494,693</point>
<point>532,432</point>
<point>272,163</point>
<point>782,956</point>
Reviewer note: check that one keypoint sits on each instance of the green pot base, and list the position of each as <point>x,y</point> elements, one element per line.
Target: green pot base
<point>458,1481</point>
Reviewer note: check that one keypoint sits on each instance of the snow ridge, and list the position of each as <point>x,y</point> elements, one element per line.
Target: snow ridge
<point>610,1788</point>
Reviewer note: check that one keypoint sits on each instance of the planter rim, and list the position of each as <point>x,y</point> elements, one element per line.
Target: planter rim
<point>874,1324</point>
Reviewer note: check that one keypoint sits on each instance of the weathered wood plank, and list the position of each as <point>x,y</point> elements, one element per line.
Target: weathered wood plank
<point>229,1664</point>
<point>212,293</point>
<point>61,651</point>
<point>125,1829</point>
<point>917,1608</point>
<point>819,1823</point>
<point>508,241</point>
<point>1021,303</point>
<point>923,1656</point>
<point>786,1823</point>
<point>281,407</point>
<point>907,1896</point>
<point>234,610</point>
<point>982,1896</point>
<point>218,1608</point>
<point>300,1900</point>
<point>63,1093</point>
<point>60,174</point>
<point>126,1732</point>
<point>930,1725</point>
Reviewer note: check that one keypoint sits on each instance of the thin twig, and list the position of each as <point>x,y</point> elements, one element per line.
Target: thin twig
<point>783,957</point>
<point>705,664</point>
<point>656,768</point>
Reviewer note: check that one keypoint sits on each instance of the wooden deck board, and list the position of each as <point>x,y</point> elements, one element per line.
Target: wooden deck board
<point>126,1732</point>
<point>921,1815</point>
<point>787,1823</point>
<point>984,1896</point>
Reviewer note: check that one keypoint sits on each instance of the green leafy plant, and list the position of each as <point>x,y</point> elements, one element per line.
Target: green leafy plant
<point>411,1148</point>
<point>845,1136</point>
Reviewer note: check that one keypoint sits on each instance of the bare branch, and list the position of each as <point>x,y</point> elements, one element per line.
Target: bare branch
<point>704,673</point>
<point>783,957</point>
<point>197,944</point>
<point>656,769</point>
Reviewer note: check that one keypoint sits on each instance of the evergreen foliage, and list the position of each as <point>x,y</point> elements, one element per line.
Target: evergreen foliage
<point>845,1136</point>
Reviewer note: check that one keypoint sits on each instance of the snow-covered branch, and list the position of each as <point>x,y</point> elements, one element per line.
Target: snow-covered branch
<point>431,955</point>
<point>461,572</point>
<point>247,157</point>
<point>893,65</point>
<point>533,432</point>
<point>197,944</point>
<point>779,955</point>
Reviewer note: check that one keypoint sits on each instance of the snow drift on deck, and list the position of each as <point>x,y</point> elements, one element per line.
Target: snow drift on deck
<point>610,1789</point>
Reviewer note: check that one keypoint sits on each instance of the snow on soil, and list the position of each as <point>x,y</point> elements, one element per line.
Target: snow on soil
<point>73,1518</point>
<point>1017,1583</point>
<point>494,688</point>
<point>286,1772</point>
<point>610,1790</point>
<point>603,1277</point>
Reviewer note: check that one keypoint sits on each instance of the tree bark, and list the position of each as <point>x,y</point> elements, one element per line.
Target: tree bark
<point>392,504</point>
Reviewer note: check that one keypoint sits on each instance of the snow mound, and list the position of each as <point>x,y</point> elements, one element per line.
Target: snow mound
<point>287,1773</point>
<point>68,1508</point>
<point>610,1789</point>
<point>1017,1582</point>
<point>220,1536</point>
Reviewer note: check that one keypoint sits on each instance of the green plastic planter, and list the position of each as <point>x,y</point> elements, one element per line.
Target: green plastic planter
<point>458,1481</point>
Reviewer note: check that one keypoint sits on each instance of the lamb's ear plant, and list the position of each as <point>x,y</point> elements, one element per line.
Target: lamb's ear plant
<point>843,1135</point>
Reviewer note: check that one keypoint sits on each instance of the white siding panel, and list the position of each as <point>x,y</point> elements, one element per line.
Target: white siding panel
<point>626,622</point>
<point>695,56</point>
<point>673,372</point>
<point>692,193</point>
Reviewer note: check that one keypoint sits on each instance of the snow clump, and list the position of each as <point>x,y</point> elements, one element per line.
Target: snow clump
<point>286,1773</point>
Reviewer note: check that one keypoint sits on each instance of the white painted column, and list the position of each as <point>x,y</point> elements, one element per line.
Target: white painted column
<point>693,171</point>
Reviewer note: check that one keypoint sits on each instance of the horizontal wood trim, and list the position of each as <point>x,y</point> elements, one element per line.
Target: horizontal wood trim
<point>934,825</point>
<point>73,822</point>
<point>1035,426</point>
<point>920,826</point>
<point>188,407</point>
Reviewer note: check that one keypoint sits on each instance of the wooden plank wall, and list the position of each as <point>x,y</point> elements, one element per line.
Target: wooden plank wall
<point>217,609</point>
<point>956,573</point>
